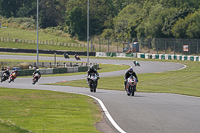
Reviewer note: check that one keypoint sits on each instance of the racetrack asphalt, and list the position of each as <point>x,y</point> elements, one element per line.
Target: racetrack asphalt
<point>143,113</point>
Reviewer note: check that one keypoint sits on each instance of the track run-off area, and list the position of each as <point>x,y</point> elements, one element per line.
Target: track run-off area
<point>143,113</point>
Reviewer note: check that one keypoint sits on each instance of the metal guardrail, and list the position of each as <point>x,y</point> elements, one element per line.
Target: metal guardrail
<point>61,68</point>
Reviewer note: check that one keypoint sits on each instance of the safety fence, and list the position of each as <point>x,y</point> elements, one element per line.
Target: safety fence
<point>4,39</point>
<point>28,72</point>
<point>102,54</point>
<point>150,56</point>
<point>168,57</point>
<point>142,45</point>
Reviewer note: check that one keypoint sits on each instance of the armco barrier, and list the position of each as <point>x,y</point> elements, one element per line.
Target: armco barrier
<point>196,58</point>
<point>72,69</point>
<point>29,72</point>
<point>184,57</point>
<point>169,57</point>
<point>82,69</point>
<point>121,55</point>
<point>46,51</point>
<point>130,55</point>
<point>46,71</point>
<point>101,54</point>
<point>150,56</point>
<point>113,55</point>
<point>146,56</point>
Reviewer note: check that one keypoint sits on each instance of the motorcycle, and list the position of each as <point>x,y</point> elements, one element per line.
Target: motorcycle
<point>131,86</point>
<point>66,56</point>
<point>136,63</point>
<point>4,77</point>
<point>35,78</point>
<point>12,77</point>
<point>77,57</point>
<point>93,79</point>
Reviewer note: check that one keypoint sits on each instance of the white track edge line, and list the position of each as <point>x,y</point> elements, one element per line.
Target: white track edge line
<point>106,113</point>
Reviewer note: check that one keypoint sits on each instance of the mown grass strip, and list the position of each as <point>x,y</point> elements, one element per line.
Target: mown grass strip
<point>185,81</point>
<point>47,111</point>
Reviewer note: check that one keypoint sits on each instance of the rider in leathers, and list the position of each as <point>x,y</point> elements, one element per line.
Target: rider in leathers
<point>90,71</point>
<point>37,71</point>
<point>7,73</point>
<point>128,74</point>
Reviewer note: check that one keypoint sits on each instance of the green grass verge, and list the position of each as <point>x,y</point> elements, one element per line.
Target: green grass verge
<point>32,35</point>
<point>46,111</point>
<point>185,81</point>
<point>41,46</point>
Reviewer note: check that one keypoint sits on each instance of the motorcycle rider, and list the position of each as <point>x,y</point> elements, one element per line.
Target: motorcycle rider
<point>7,73</point>
<point>76,57</point>
<point>136,63</point>
<point>37,71</point>
<point>14,74</point>
<point>128,73</point>
<point>90,71</point>
<point>66,55</point>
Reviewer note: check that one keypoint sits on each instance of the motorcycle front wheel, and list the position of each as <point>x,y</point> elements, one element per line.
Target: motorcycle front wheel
<point>132,90</point>
<point>91,89</point>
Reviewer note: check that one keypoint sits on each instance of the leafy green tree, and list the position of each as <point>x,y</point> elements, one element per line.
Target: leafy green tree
<point>171,20</point>
<point>189,27</point>
<point>156,20</point>
<point>9,8</point>
<point>127,21</point>
<point>27,9</point>
<point>77,21</point>
<point>50,14</point>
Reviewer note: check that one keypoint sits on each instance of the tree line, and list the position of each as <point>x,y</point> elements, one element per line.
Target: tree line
<point>112,18</point>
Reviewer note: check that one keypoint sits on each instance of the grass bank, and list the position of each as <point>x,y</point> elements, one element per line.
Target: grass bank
<point>41,46</point>
<point>32,35</point>
<point>46,111</point>
<point>185,81</point>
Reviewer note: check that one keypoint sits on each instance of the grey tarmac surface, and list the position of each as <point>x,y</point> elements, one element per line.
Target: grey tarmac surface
<point>143,113</point>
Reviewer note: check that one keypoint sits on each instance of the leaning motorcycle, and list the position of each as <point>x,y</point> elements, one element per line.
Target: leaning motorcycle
<point>4,77</point>
<point>77,58</point>
<point>93,79</point>
<point>12,77</point>
<point>136,63</point>
<point>131,86</point>
<point>35,78</point>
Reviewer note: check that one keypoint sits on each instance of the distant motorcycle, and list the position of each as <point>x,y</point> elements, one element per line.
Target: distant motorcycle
<point>136,63</point>
<point>12,77</point>
<point>77,58</point>
<point>4,77</point>
<point>93,79</point>
<point>35,79</point>
<point>66,56</point>
<point>131,86</point>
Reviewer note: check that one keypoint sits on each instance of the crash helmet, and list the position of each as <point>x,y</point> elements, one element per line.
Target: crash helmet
<point>15,70</point>
<point>130,71</point>
<point>91,67</point>
<point>37,70</point>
